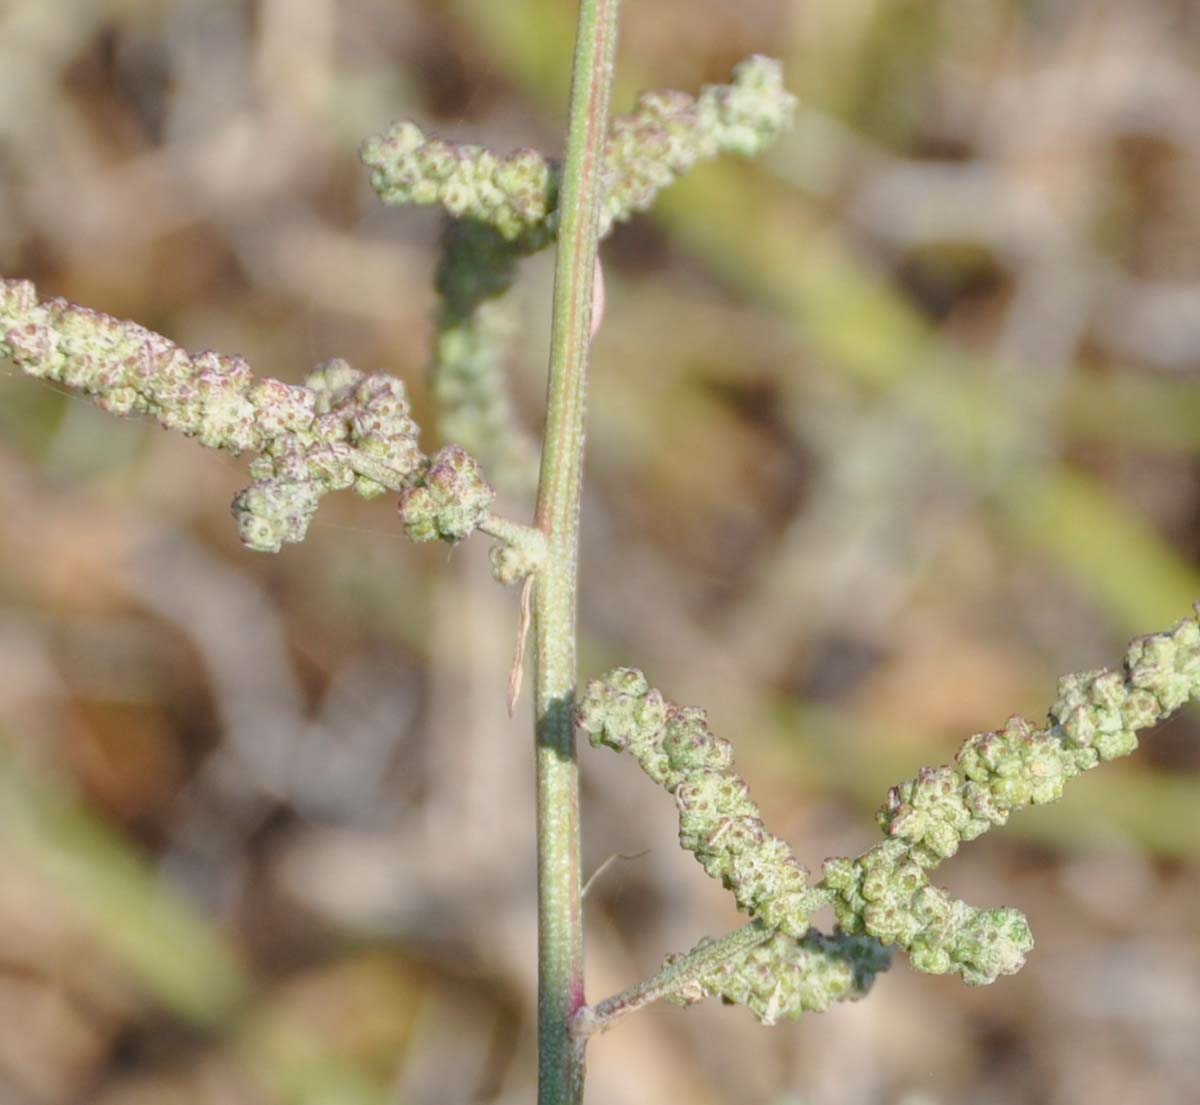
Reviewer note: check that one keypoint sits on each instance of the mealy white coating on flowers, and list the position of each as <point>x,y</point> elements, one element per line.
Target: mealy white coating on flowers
<point>509,193</point>
<point>362,423</point>
<point>718,822</point>
<point>663,137</point>
<point>885,893</point>
<point>450,501</point>
<point>669,132</point>
<point>341,429</point>
<point>884,897</point>
<point>786,977</point>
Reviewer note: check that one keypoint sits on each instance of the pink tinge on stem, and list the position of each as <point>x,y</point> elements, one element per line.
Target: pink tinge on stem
<point>597,297</point>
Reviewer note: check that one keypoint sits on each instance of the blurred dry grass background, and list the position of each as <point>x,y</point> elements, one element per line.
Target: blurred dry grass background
<point>886,432</point>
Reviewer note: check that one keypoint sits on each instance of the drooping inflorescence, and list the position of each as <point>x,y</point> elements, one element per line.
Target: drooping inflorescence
<point>342,429</point>
<point>718,821</point>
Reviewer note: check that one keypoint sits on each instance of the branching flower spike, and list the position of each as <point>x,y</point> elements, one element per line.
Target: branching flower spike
<point>1096,717</point>
<point>884,897</point>
<point>504,208</point>
<point>665,135</point>
<point>342,429</point>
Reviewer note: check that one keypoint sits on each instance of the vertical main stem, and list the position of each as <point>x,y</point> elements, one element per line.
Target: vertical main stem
<point>560,929</point>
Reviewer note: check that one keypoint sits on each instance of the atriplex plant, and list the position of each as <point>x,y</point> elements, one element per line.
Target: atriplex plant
<point>346,429</point>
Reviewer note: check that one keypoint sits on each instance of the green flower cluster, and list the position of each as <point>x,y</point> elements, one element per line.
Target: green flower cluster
<point>886,894</point>
<point>663,137</point>
<point>451,500</point>
<point>668,132</point>
<point>1166,665</point>
<point>718,822</point>
<point>127,369</point>
<point>359,424</point>
<point>504,208</point>
<point>786,977</point>
<point>509,193</point>
<point>342,429</point>
<point>884,897</point>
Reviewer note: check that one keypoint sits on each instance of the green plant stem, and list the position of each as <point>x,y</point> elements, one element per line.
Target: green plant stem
<point>560,930</point>
<point>687,969</point>
<point>684,970</point>
<point>516,534</point>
